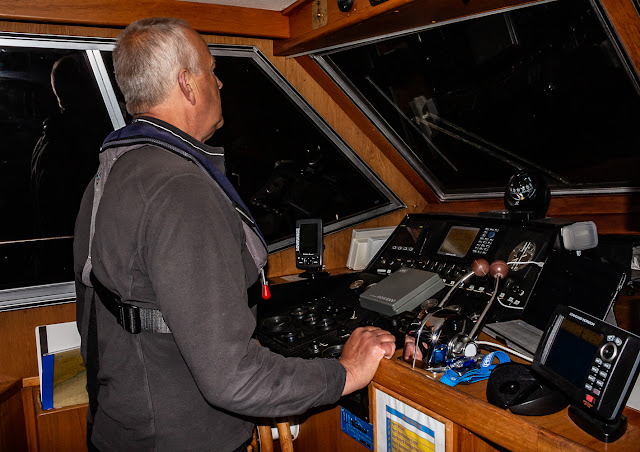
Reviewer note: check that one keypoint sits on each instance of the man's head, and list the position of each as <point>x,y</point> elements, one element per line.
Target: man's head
<point>164,66</point>
<point>70,76</point>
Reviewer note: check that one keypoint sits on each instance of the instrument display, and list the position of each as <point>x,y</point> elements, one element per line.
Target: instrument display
<point>458,241</point>
<point>523,253</point>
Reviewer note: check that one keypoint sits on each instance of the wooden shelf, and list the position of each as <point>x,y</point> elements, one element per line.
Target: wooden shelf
<point>467,406</point>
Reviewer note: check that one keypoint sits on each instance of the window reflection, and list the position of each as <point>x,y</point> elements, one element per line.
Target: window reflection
<point>283,163</point>
<point>53,120</point>
<point>468,102</point>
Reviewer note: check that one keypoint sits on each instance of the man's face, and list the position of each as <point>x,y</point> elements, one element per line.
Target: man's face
<point>208,103</point>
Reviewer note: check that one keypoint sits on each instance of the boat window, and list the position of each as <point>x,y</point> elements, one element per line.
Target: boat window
<point>59,101</point>
<point>544,87</point>
<point>53,118</point>
<point>283,158</point>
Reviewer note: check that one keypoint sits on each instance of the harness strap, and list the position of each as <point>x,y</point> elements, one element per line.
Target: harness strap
<point>133,319</point>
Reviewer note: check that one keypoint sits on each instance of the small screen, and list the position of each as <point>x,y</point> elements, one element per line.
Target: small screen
<point>406,239</point>
<point>308,238</point>
<point>572,351</point>
<point>458,241</point>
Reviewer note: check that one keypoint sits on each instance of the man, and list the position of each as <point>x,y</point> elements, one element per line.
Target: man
<point>65,157</point>
<point>172,237</point>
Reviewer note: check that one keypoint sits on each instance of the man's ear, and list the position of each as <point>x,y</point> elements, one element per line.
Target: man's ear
<point>187,85</point>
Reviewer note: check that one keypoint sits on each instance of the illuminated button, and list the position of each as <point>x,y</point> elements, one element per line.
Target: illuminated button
<point>603,374</point>
<point>618,341</point>
<point>591,378</point>
<point>596,391</point>
<point>598,361</point>
<point>594,370</point>
<point>607,365</point>
<point>589,398</point>
<point>599,383</point>
<point>588,387</point>
<point>491,234</point>
<point>610,338</point>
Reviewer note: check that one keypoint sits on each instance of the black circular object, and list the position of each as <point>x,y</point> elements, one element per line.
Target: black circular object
<point>310,319</point>
<point>345,5</point>
<point>527,195</point>
<point>276,323</point>
<point>332,352</point>
<point>289,336</point>
<point>609,351</point>
<point>299,312</point>
<point>326,323</point>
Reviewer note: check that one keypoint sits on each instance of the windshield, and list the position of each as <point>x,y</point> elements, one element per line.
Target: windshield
<point>468,103</point>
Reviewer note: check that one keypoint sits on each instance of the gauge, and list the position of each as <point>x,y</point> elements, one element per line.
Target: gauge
<point>521,254</point>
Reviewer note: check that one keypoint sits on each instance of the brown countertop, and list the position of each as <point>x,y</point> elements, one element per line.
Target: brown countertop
<point>467,406</point>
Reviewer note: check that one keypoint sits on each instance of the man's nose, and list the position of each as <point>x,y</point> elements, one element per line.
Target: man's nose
<point>219,83</point>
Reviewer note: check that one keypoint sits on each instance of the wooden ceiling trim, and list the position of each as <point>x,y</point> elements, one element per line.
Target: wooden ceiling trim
<point>206,18</point>
<point>366,21</point>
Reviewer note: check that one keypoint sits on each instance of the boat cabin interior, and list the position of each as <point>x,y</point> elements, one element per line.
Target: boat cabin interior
<point>403,145</point>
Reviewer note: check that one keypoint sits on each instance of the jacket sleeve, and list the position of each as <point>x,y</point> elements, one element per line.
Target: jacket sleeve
<point>194,256</point>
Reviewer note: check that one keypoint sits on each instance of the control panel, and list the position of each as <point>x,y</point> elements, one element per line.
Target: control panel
<point>447,244</point>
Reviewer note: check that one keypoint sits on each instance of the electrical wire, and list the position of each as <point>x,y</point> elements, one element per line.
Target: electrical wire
<point>539,264</point>
<point>506,349</point>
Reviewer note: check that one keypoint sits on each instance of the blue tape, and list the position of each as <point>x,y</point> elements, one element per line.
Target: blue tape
<point>451,377</point>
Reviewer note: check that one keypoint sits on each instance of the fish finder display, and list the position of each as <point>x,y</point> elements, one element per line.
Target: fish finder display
<point>572,352</point>
<point>458,241</point>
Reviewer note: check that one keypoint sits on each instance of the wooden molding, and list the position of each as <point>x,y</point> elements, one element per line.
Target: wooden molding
<point>206,18</point>
<point>626,21</point>
<point>366,21</point>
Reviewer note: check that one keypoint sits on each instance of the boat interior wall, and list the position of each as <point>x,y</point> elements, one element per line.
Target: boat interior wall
<point>278,34</point>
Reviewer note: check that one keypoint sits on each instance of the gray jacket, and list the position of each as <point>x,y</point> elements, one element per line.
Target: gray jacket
<point>167,239</point>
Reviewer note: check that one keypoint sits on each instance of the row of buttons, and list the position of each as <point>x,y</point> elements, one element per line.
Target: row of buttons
<point>402,248</point>
<point>598,376</point>
<point>485,241</point>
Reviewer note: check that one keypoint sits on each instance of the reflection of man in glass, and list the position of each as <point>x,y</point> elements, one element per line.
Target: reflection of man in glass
<point>65,157</point>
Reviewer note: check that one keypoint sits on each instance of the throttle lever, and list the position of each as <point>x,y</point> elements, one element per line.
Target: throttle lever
<point>466,344</point>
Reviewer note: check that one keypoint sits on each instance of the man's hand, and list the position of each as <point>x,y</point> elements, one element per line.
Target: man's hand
<point>362,354</point>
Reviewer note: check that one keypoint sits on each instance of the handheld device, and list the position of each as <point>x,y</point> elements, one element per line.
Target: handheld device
<point>595,364</point>
<point>309,247</point>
